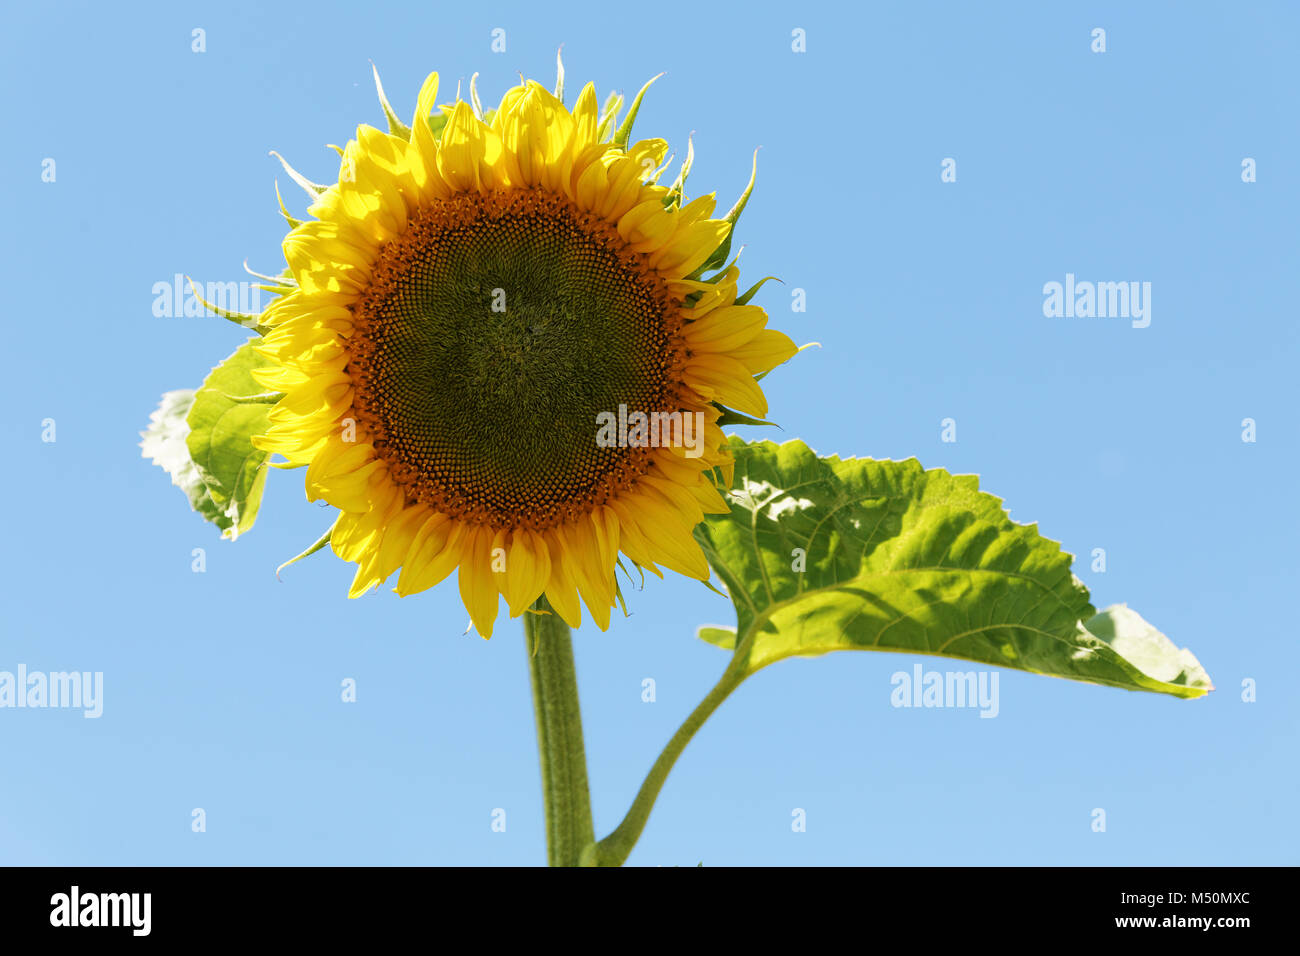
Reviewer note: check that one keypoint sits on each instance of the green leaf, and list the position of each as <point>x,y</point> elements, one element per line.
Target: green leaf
<point>825,554</point>
<point>229,409</point>
<point>163,443</point>
<point>203,439</point>
<point>723,637</point>
<point>1155,656</point>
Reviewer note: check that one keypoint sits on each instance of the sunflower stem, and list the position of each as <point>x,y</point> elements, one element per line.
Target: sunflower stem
<point>565,794</point>
<point>615,848</point>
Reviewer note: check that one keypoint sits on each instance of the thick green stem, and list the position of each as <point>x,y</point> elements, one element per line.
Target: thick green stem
<point>614,849</point>
<point>565,794</point>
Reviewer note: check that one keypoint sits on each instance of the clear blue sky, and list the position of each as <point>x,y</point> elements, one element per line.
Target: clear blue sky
<point>222,688</point>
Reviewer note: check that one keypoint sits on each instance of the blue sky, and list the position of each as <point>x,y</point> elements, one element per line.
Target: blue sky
<point>221,689</point>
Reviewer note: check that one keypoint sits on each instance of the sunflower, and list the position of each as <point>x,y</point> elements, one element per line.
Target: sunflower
<point>472,302</point>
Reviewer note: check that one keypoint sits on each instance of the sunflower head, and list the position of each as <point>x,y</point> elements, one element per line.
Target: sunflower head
<point>505,351</point>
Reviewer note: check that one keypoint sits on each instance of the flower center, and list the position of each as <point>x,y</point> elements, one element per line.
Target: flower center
<point>494,331</point>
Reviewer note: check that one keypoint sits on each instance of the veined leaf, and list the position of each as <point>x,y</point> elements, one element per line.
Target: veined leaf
<point>203,438</point>
<point>825,554</point>
<point>163,443</point>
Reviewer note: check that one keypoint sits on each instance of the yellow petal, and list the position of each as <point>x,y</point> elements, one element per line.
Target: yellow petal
<point>435,553</point>
<point>725,380</point>
<point>668,539</point>
<point>647,225</point>
<point>462,150</point>
<point>378,562</point>
<point>478,586</point>
<point>528,569</point>
<point>690,247</point>
<point>726,329</point>
<point>765,351</point>
<point>561,593</point>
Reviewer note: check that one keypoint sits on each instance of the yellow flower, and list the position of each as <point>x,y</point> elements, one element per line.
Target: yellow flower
<point>482,303</point>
